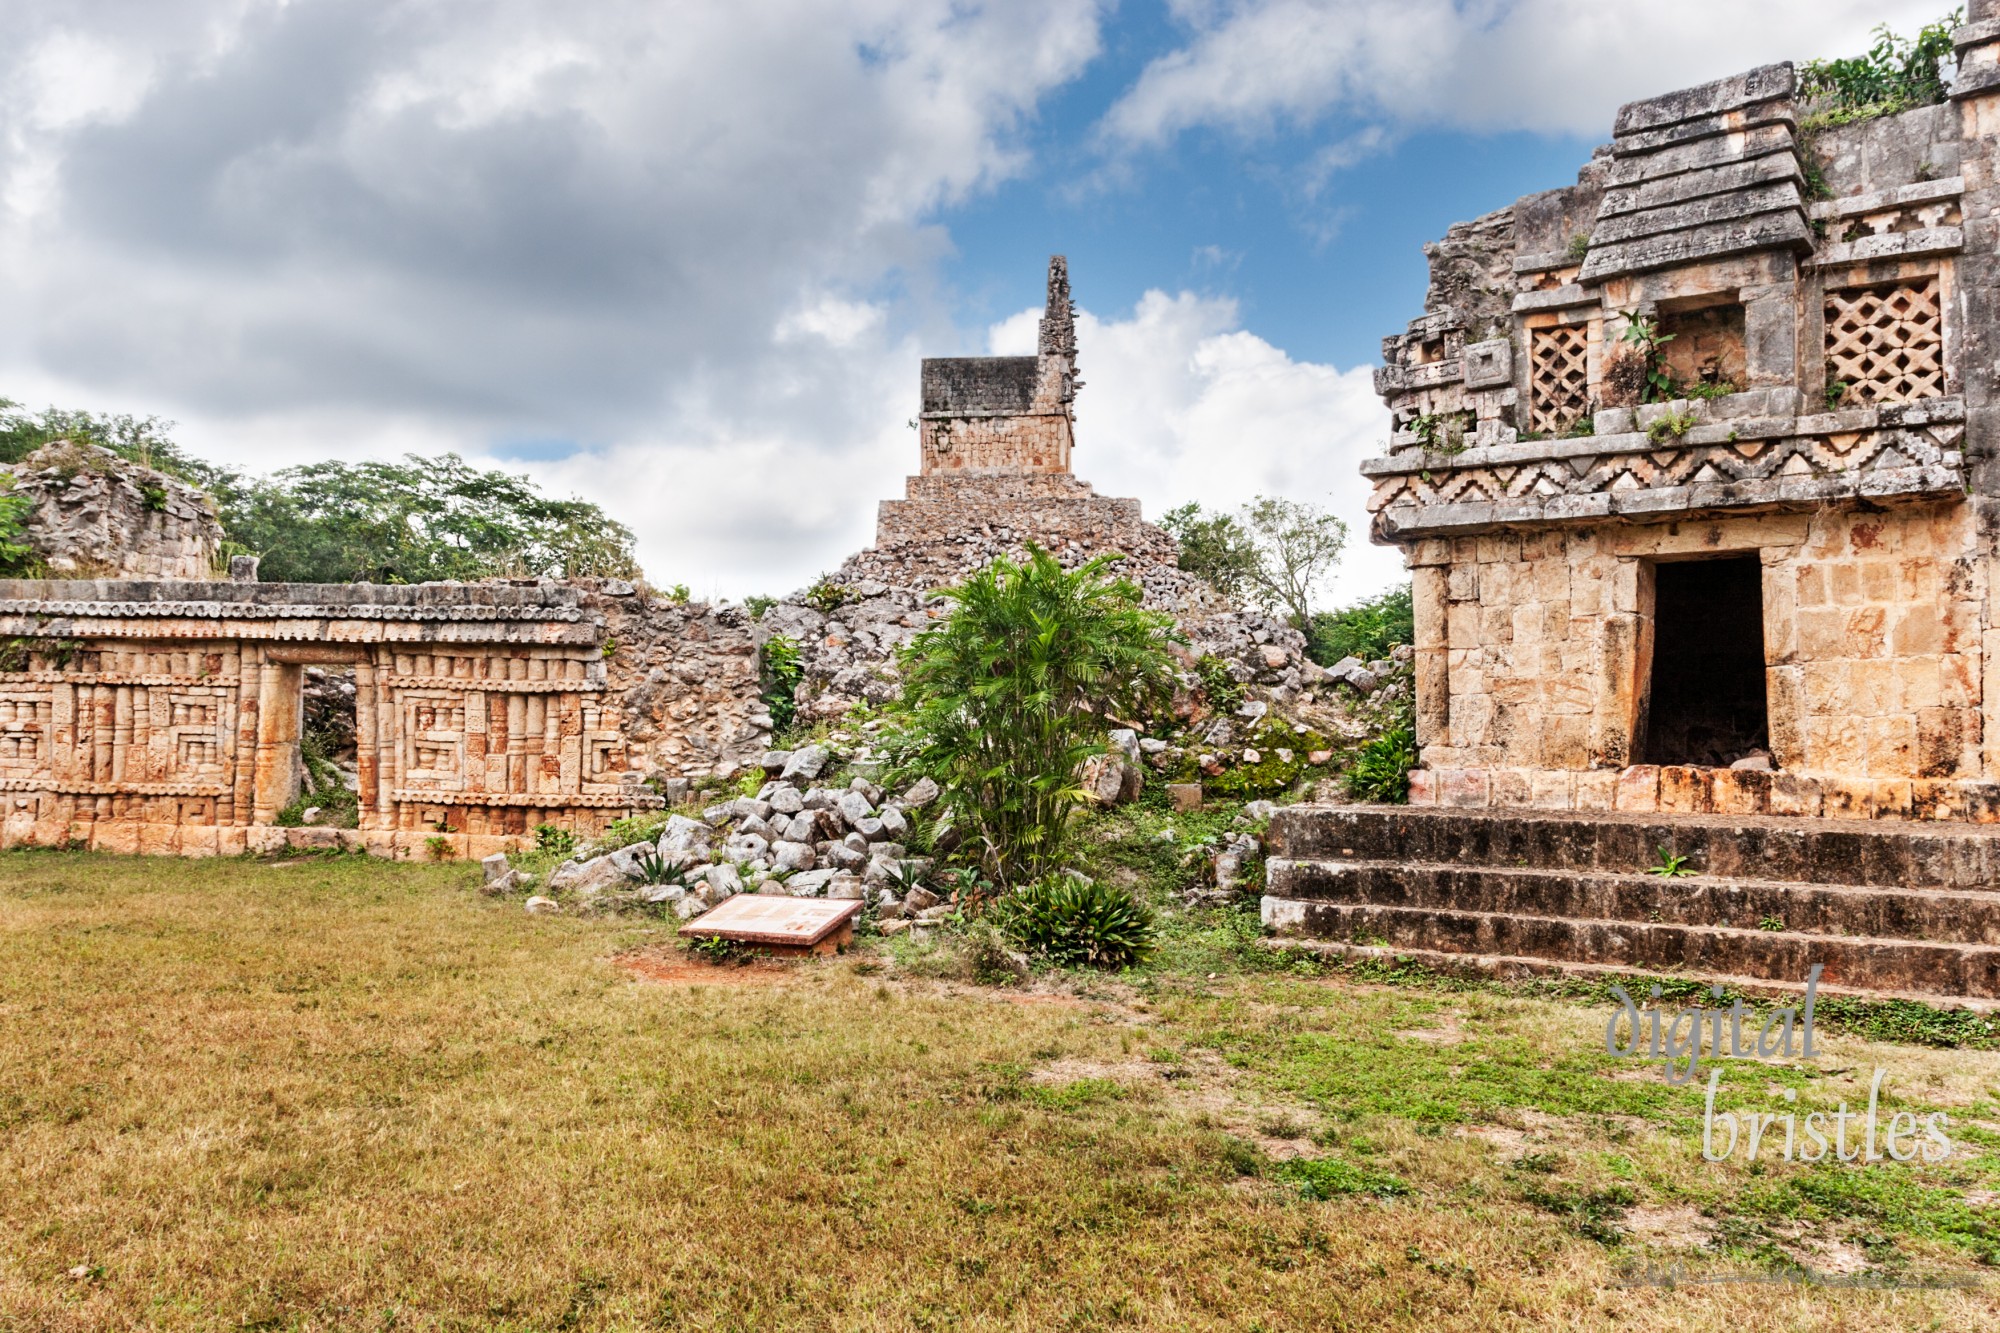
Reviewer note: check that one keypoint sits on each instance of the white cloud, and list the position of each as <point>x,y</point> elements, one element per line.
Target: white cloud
<point>1180,403</point>
<point>1484,65</point>
<point>665,233</point>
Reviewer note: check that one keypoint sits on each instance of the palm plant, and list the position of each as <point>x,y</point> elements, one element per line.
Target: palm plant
<point>1004,699</point>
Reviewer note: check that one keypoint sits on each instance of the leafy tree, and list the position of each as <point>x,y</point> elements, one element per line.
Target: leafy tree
<point>143,440</point>
<point>409,522</point>
<point>419,520</point>
<point>1367,630</point>
<point>1214,547</point>
<point>1298,545</point>
<point>1005,698</point>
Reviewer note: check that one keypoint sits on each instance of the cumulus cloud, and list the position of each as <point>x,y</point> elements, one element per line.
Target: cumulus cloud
<point>1251,66</point>
<point>665,235</point>
<point>1180,403</point>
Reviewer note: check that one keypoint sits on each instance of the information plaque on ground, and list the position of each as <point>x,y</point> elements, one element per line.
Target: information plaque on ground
<point>780,924</point>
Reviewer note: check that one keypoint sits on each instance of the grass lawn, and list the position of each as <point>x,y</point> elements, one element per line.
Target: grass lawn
<point>336,1093</point>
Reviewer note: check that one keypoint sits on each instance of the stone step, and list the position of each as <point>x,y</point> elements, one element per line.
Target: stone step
<point>1932,915</point>
<point>1883,853</point>
<point>1859,963</point>
<point>1510,966</point>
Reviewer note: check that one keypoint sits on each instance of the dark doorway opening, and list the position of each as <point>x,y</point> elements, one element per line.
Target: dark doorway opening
<point>1707,699</point>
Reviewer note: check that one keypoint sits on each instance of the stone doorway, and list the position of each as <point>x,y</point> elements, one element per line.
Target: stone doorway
<point>1706,701</point>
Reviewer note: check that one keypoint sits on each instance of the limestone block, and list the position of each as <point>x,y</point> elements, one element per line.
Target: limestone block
<point>1638,790</point>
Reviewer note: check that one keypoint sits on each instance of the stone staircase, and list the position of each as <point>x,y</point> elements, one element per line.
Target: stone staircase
<point>1885,907</point>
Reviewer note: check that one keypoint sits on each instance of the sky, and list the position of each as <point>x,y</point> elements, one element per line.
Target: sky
<point>683,259</point>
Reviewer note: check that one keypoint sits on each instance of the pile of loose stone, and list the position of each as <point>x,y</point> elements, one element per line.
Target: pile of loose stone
<point>880,599</point>
<point>792,837</point>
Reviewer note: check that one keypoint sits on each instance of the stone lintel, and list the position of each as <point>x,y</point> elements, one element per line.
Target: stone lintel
<point>1892,245</point>
<point>1404,523</point>
<point>1901,196</point>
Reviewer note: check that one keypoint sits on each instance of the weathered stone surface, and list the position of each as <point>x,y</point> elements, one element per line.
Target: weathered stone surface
<point>97,515</point>
<point>1880,906</point>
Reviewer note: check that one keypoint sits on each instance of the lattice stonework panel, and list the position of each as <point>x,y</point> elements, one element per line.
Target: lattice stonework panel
<point>1558,380</point>
<point>1886,343</point>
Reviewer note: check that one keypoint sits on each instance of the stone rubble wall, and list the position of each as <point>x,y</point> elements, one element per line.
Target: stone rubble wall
<point>684,678</point>
<point>98,515</point>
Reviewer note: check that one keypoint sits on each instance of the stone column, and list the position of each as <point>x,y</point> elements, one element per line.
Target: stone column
<point>1433,682</point>
<point>280,706</point>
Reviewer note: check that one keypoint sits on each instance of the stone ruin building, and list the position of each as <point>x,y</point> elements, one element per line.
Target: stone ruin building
<point>149,703</point>
<point>1745,573</point>
<point>996,442</point>
<point>995,436</point>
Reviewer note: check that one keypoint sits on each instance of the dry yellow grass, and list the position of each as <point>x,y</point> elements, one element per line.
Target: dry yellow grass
<point>338,1094</point>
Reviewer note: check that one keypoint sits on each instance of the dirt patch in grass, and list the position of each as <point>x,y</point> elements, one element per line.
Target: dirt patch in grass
<point>1669,1226</point>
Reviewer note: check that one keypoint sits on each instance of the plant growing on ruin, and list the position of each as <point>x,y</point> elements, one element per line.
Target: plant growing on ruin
<point>1072,921</point>
<point>17,557</point>
<point>782,669</point>
<point>1671,426</point>
<point>1005,699</point>
<point>1642,334</point>
<point>757,605</point>
<point>1893,75</point>
<point>825,596</point>
<point>1381,768</point>
<point>1670,865</point>
<point>1440,432</point>
<point>656,869</point>
<point>554,841</point>
<point>1579,247</point>
<point>1218,686</point>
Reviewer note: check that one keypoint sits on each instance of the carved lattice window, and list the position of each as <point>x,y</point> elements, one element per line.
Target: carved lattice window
<point>1886,344</point>
<point>1559,379</point>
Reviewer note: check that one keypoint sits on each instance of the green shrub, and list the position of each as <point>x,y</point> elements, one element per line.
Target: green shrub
<point>1381,769</point>
<point>1004,699</point>
<point>1071,921</point>
<point>554,841</point>
<point>644,826</point>
<point>1367,630</point>
<point>1895,75</point>
<point>782,670</point>
<point>17,557</point>
<point>1324,1178</point>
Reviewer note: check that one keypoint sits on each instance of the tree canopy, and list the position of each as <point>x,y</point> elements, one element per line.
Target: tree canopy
<point>413,521</point>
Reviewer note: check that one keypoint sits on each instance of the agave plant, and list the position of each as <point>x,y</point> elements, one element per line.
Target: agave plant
<point>1069,921</point>
<point>657,869</point>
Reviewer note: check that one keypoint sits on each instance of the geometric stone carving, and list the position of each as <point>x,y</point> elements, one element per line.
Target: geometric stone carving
<point>1559,379</point>
<point>1886,342</point>
<point>1598,477</point>
<point>1489,365</point>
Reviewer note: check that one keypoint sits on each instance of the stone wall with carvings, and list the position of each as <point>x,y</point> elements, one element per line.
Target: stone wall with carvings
<point>164,716</point>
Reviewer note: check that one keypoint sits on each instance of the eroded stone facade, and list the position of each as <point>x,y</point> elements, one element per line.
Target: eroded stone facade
<point>1825,306</point>
<point>165,716</point>
<point>97,515</point>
